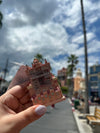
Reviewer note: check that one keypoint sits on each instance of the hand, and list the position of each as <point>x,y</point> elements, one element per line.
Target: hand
<point>17,110</point>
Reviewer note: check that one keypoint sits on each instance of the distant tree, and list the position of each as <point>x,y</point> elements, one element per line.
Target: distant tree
<point>72,62</point>
<point>39,57</point>
<point>59,82</point>
<point>64,89</point>
<point>1,16</point>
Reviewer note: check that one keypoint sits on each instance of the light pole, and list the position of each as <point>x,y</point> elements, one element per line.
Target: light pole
<point>6,68</point>
<point>86,59</point>
<point>1,16</point>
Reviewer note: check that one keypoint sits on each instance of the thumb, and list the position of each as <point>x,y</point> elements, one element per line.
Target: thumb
<point>29,115</point>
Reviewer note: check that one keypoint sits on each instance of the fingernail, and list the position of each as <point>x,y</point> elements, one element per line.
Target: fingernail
<point>40,110</point>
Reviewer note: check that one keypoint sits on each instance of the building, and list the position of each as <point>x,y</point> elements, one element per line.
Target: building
<point>62,76</point>
<point>79,82</point>
<point>82,85</point>
<point>94,80</point>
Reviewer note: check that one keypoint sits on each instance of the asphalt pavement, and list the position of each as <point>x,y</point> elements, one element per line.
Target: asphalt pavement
<point>58,120</point>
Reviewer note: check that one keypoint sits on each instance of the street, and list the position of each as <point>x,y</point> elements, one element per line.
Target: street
<point>58,120</point>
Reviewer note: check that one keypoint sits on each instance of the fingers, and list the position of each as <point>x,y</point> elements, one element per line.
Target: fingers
<point>18,91</point>
<point>22,107</point>
<point>10,101</point>
<point>33,113</point>
<point>25,98</point>
<point>22,92</point>
<point>17,98</point>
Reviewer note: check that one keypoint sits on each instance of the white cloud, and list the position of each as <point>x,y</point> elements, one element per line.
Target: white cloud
<point>78,38</point>
<point>94,46</point>
<point>45,37</point>
<point>23,13</point>
<point>12,73</point>
<point>42,27</point>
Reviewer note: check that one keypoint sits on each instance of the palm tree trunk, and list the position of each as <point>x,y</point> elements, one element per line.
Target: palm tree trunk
<point>86,59</point>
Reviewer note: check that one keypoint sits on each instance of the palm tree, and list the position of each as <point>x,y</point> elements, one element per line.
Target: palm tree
<point>72,62</point>
<point>1,16</point>
<point>86,58</point>
<point>39,57</point>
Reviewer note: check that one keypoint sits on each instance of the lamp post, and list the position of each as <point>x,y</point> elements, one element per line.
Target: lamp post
<point>6,68</point>
<point>1,16</point>
<point>86,58</point>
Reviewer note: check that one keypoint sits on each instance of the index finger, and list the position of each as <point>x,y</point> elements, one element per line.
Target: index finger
<point>18,91</point>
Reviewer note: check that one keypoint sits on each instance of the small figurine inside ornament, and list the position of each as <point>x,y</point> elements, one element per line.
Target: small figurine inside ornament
<point>42,84</point>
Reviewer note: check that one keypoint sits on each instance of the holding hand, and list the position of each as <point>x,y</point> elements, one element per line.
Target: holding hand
<point>17,110</point>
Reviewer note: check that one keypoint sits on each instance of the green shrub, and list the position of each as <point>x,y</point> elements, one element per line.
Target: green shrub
<point>64,89</point>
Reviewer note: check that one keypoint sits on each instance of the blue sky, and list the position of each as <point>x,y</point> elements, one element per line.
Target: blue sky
<point>52,28</point>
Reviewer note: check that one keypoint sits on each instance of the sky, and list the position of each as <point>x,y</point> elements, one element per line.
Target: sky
<point>52,28</point>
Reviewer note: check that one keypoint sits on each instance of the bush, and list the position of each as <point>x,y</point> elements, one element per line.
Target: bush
<point>64,89</point>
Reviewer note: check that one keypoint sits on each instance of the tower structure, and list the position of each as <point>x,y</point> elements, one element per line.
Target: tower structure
<point>62,76</point>
<point>78,80</point>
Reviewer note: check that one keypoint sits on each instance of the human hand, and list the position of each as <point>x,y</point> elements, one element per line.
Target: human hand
<point>17,110</point>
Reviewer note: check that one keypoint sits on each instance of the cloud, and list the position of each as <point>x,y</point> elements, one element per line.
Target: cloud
<point>52,28</point>
<point>20,13</point>
<point>95,43</point>
<point>46,36</point>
